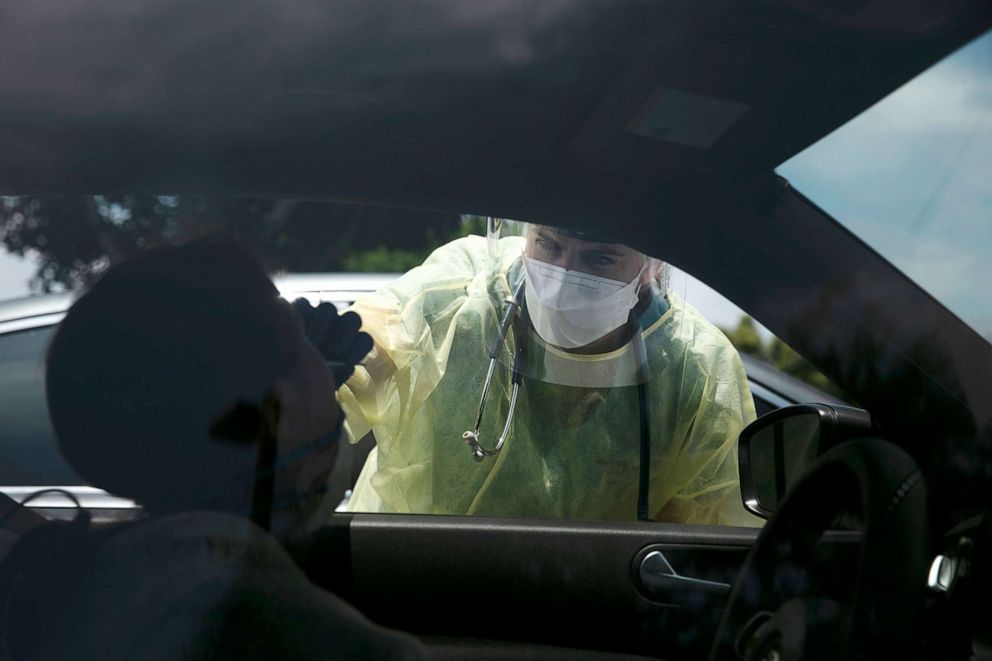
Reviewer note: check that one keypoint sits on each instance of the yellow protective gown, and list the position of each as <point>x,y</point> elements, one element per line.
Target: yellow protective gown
<point>572,452</point>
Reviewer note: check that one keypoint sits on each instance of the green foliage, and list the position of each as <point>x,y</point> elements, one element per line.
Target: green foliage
<point>471,225</point>
<point>746,339</point>
<point>75,237</point>
<point>775,352</point>
<point>385,259</point>
<point>382,260</point>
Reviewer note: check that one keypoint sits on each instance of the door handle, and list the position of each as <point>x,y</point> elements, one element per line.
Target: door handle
<point>660,580</point>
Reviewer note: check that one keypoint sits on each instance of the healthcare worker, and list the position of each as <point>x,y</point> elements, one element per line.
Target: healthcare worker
<point>597,338</point>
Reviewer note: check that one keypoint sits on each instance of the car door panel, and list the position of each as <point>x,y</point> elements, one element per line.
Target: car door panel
<point>565,583</point>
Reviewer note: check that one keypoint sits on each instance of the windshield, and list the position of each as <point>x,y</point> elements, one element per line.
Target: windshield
<point>910,176</point>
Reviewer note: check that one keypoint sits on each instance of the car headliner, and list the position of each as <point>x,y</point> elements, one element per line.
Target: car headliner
<point>452,104</point>
<point>531,110</point>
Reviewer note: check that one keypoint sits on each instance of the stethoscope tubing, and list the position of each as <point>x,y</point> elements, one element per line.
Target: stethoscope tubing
<point>515,310</point>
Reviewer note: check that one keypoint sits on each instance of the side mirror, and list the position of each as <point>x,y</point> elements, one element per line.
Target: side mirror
<point>777,448</point>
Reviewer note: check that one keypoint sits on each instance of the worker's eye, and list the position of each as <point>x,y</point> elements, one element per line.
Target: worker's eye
<point>600,261</point>
<point>546,245</point>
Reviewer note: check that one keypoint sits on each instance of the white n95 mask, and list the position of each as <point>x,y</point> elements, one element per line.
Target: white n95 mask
<point>570,309</point>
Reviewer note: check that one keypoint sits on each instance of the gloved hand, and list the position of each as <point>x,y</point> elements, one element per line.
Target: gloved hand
<point>336,336</point>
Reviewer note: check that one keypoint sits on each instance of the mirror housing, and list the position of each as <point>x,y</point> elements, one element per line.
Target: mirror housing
<point>777,448</point>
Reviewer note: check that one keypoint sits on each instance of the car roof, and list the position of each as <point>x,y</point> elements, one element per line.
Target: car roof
<point>16,309</point>
<point>344,286</point>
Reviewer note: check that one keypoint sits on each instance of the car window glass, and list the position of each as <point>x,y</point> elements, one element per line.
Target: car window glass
<point>431,289</point>
<point>910,176</point>
<point>774,367</point>
<point>27,450</point>
<point>46,250</point>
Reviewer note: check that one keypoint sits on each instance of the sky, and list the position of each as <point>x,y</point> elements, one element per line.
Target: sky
<point>710,303</point>
<point>15,272</point>
<point>912,177</point>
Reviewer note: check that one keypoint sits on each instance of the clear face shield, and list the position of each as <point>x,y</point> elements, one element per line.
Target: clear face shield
<point>579,357</point>
<point>571,326</point>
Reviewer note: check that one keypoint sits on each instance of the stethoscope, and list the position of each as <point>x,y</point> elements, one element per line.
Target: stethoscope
<point>516,312</point>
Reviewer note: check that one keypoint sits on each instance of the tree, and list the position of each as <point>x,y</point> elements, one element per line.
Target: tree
<point>76,237</point>
<point>747,340</point>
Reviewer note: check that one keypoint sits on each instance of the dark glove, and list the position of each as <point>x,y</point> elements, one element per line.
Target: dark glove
<point>337,337</point>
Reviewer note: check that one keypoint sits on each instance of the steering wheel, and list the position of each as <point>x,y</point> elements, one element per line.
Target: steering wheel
<point>791,601</point>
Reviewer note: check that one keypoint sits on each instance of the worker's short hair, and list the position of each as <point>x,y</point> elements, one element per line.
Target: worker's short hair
<point>147,359</point>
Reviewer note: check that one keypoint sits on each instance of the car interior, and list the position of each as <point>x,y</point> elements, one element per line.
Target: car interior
<point>663,123</point>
